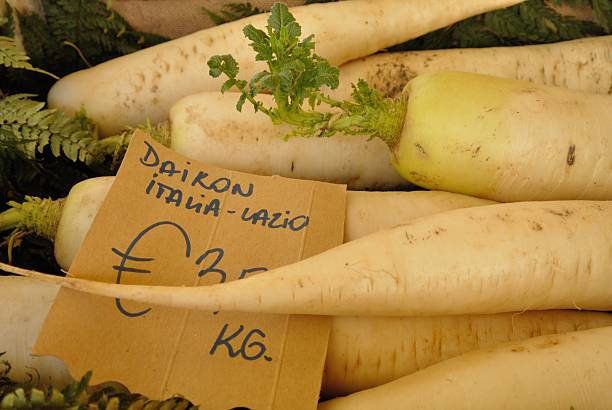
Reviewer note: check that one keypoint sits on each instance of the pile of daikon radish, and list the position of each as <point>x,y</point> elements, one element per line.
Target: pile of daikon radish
<point>440,300</point>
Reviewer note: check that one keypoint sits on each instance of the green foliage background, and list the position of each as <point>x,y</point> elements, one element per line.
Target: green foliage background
<point>531,22</point>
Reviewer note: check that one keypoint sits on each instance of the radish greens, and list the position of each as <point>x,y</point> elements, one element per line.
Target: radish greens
<point>295,77</point>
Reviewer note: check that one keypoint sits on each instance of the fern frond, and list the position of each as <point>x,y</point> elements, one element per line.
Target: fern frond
<point>78,395</point>
<point>236,11</point>
<point>602,9</point>
<point>26,126</point>
<point>531,22</point>
<point>11,56</point>
<point>232,12</point>
<point>113,148</point>
<point>5,17</point>
<point>93,28</point>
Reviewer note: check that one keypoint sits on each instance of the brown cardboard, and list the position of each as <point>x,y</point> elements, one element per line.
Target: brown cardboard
<point>168,351</point>
<point>176,18</point>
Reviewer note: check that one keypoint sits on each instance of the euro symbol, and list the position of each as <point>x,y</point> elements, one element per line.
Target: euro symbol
<point>127,256</point>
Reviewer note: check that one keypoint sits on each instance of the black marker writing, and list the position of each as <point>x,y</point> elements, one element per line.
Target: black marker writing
<point>247,350</point>
<point>212,266</point>
<point>275,220</point>
<point>174,196</point>
<point>209,263</point>
<point>251,270</point>
<point>200,180</point>
<point>127,256</point>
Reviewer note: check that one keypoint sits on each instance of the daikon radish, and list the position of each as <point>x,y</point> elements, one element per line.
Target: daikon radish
<point>25,304</point>
<point>583,65</point>
<point>66,221</point>
<point>207,128</point>
<point>362,352</point>
<point>569,371</point>
<point>508,141</point>
<point>367,352</point>
<point>370,212</point>
<point>143,86</point>
<point>488,259</point>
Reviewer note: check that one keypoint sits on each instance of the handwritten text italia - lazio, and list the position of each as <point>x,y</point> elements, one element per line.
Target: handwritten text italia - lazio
<point>173,195</point>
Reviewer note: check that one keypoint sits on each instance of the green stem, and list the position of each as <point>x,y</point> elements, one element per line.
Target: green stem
<point>252,100</point>
<point>115,146</point>
<point>10,219</point>
<point>343,123</point>
<point>37,215</point>
<point>384,120</point>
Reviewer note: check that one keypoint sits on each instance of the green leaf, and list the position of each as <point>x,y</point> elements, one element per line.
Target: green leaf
<point>241,102</point>
<point>327,75</point>
<point>256,35</point>
<point>280,17</point>
<point>214,65</point>
<point>259,43</point>
<point>11,56</point>
<point>261,83</point>
<point>225,64</point>
<point>228,85</point>
<point>29,128</point>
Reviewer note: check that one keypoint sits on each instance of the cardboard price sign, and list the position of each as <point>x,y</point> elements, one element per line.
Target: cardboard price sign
<point>168,220</point>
